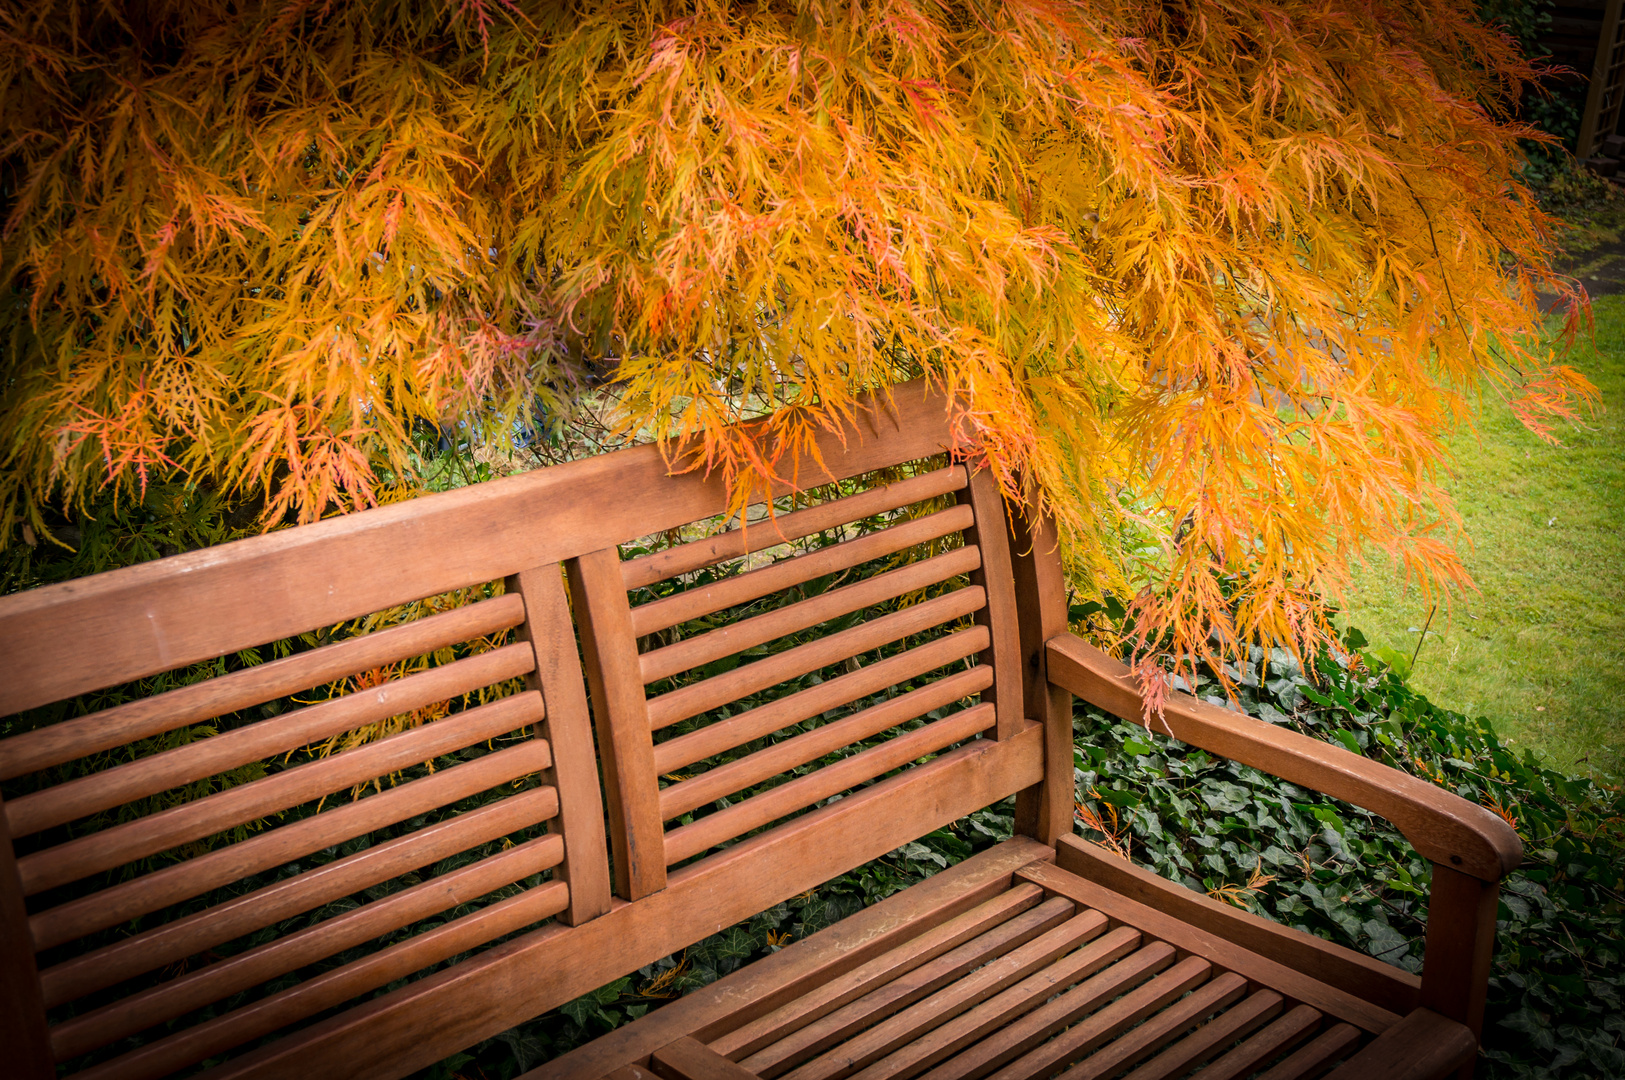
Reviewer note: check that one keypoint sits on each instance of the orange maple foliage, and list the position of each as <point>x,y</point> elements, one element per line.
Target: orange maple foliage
<point>1210,279</point>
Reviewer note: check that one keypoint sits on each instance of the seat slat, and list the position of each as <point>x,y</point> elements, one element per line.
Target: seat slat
<point>334,987</point>
<point>218,980</point>
<point>260,740</point>
<point>1084,1038</point>
<point>839,991</point>
<point>1274,1040</point>
<point>787,573</point>
<point>907,988</point>
<point>951,1001</point>
<point>42,748</point>
<point>130,899</point>
<point>802,792</point>
<point>782,528</point>
<point>145,836</point>
<point>1314,1058</point>
<point>991,1015</point>
<point>743,634</point>
<point>723,735</point>
<point>1130,1047</point>
<point>687,1059</point>
<point>809,746</point>
<point>1210,1038</point>
<point>708,694</point>
<point>1029,1031</point>
<point>240,915</point>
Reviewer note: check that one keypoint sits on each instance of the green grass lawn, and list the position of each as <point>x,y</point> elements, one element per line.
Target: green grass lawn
<point>1540,649</point>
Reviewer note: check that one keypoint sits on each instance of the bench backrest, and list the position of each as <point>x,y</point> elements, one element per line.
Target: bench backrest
<point>198,875</point>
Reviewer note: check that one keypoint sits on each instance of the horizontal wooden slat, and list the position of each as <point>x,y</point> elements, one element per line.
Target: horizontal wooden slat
<point>788,573</point>
<point>240,915</point>
<point>1082,1039</point>
<point>149,835</point>
<point>972,1027</point>
<point>275,847</point>
<point>908,989</point>
<point>964,994</point>
<point>759,629</point>
<point>723,735</point>
<point>260,740</point>
<point>1126,1049</point>
<point>205,700</point>
<point>551,966</point>
<point>803,791</point>
<point>687,1059</point>
<point>335,987</point>
<point>166,614</point>
<point>1029,1031</point>
<point>700,697</point>
<point>882,970</point>
<point>1312,1059</point>
<point>289,953</point>
<point>781,757</point>
<point>1236,1022</point>
<point>1265,1046</point>
<point>783,528</point>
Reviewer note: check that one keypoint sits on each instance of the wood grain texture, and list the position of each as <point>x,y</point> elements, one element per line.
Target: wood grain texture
<point>1031,1031</point>
<point>702,697</point>
<point>542,970</point>
<point>205,700</point>
<point>1298,1024</point>
<point>290,952</point>
<point>1311,1060</point>
<point>990,535</point>
<point>131,899</point>
<point>1044,812</point>
<point>1443,827</point>
<point>1082,1039</point>
<point>22,1011</point>
<point>1220,951</point>
<point>1355,973</point>
<point>1423,1046</point>
<point>179,938</point>
<point>687,1059</point>
<point>261,740</point>
<point>625,742</point>
<point>332,988</point>
<point>1460,942</point>
<point>787,573</point>
<point>737,636</point>
<point>975,1026</point>
<point>783,528</point>
<point>121,844</point>
<point>988,980</point>
<point>887,999</point>
<point>567,724</point>
<point>741,773</point>
<point>906,957</point>
<point>1209,1038</point>
<point>689,840</point>
<point>1126,1049</point>
<point>172,612</point>
<point>723,735</point>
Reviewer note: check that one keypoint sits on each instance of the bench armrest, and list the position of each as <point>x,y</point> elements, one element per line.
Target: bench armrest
<point>1443,827</point>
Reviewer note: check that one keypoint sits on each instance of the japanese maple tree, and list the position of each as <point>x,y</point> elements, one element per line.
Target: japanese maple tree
<point>1211,279</point>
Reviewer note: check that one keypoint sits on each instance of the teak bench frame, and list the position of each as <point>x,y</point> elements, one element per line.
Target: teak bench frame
<point>624,894</point>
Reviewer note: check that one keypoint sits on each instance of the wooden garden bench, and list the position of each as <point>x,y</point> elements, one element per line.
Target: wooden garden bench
<point>240,900</point>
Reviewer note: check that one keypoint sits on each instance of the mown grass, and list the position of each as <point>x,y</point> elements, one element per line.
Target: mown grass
<point>1539,649</point>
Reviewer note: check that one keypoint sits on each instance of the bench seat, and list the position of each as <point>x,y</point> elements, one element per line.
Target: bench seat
<point>1011,965</point>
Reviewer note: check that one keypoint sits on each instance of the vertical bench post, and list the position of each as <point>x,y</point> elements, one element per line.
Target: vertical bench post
<point>1043,812</point>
